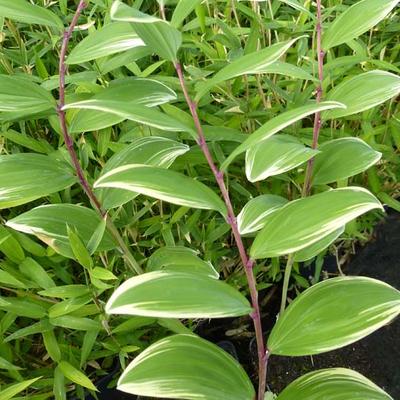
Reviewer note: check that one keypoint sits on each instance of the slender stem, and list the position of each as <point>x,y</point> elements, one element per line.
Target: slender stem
<point>288,271</point>
<point>69,143</point>
<point>317,119</point>
<point>231,219</point>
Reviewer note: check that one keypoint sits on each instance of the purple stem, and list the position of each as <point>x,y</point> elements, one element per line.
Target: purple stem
<point>247,262</point>
<point>317,119</point>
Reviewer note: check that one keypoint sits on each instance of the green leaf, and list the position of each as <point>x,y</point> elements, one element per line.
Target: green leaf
<point>66,291</point>
<point>158,35</point>
<point>302,222</point>
<point>177,295</point>
<point>122,93</point>
<point>10,391</point>
<point>32,329</point>
<point>110,39</point>
<point>297,6</point>
<point>24,11</point>
<point>182,10</point>
<point>34,271</point>
<point>186,367</point>
<point>102,274</point>
<point>356,20</point>
<point>49,224</point>
<point>363,92</point>
<point>23,308</point>
<point>75,375</point>
<point>278,123</point>
<point>75,323</point>
<point>79,249</point>
<point>253,63</point>
<point>97,237</point>
<point>4,364</point>
<point>152,150</point>
<point>20,97</point>
<point>283,68</point>
<point>255,213</point>
<point>275,156</point>
<point>333,314</point>
<point>163,184</point>
<point>342,158</point>
<point>51,345</point>
<point>179,259</point>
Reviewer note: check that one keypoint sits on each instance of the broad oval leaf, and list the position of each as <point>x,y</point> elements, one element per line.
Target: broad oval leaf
<point>275,156</point>
<point>158,35</point>
<point>333,384</point>
<point>162,184</point>
<point>333,314</point>
<point>180,259</point>
<point>177,295</point>
<point>186,367</point>
<point>342,158</point>
<point>24,11</point>
<point>278,123</point>
<point>305,221</point>
<point>151,150</point>
<point>356,20</point>
<point>253,63</point>
<point>125,92</point>
<point>49,224</point>
<point>110,39</point>
<point>255,213</point>
<point>28,176</point>
<point>363,92</point>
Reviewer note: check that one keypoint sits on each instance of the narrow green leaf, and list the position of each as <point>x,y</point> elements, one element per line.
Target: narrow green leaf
<point>79,249</point>
<point>297,6</point>
<point>188,296</point>
<point>356,20</point>
<point>23,308</point>
<point>75,323</point>
<point>158,35</point>
<point>4,364</point>
<point>278,123</point>
<point>34,271</point>
<point>182,10</point>
<point>302,222</point>
<point>333,314</point>
<point>186,367</point>
<point>97,237</point>
<point>342,158</point>
<point>179,259</point>
<point>66,291</point>
<point>255,213</point>
<point>10,391</point>
<point>275,156</point>
<point>283,68</point>
<point>110,39</point>
<point>24,11</point>
<point>33,329</point>
<point>46,175</point>
<point>363,92</point>
<point>51,345</point>
<point>75,375</point>
<point>59,385</point>
<point>162,184</point>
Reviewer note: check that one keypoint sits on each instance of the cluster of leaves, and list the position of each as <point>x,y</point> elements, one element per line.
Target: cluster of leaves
<point>250,69</point>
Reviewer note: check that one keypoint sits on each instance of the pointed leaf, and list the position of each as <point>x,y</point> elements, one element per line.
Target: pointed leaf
<point>10,391</point>
<point>283,68</point>
<point>177,295</point>
<point>182,10</point>
<point>75,375</point>
<point>305,221</point>
<point>363,92</point>
<point>255,213</point>
<point>162,184</point>
<point>343,158</point>
<point>49,224</point>
<point>158,35</point>
<point>356,20</point>
<point>110,39</point>
<point>333,314</point>
<point>278,123</point>
<point>275,156</point>
<point>186,367</point>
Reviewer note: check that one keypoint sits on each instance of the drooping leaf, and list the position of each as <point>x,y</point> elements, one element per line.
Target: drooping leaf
<point>302,222</point>
<point>335,384</point>
<point>363,92</point>
<point>278,123</point>
<point>179,259</point>
<point>24,11</point>
<point>163,184</point>
<point>125,93</point>
<point>11,391</point>
<point>186,367</point>
<point>333,314</point>
<point>49,224</point>
<point>27,176</point>
<point>75,375</point>
<point>356,20</point>
<point>177,295</point>
<point>255,213</point>
<point>342,158</point>
<point>252,63</point>
<point>160,36</point>
<point>151,150</point>
<point>275,156</point>
<point>283,68</point>
<point>110,39</point>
